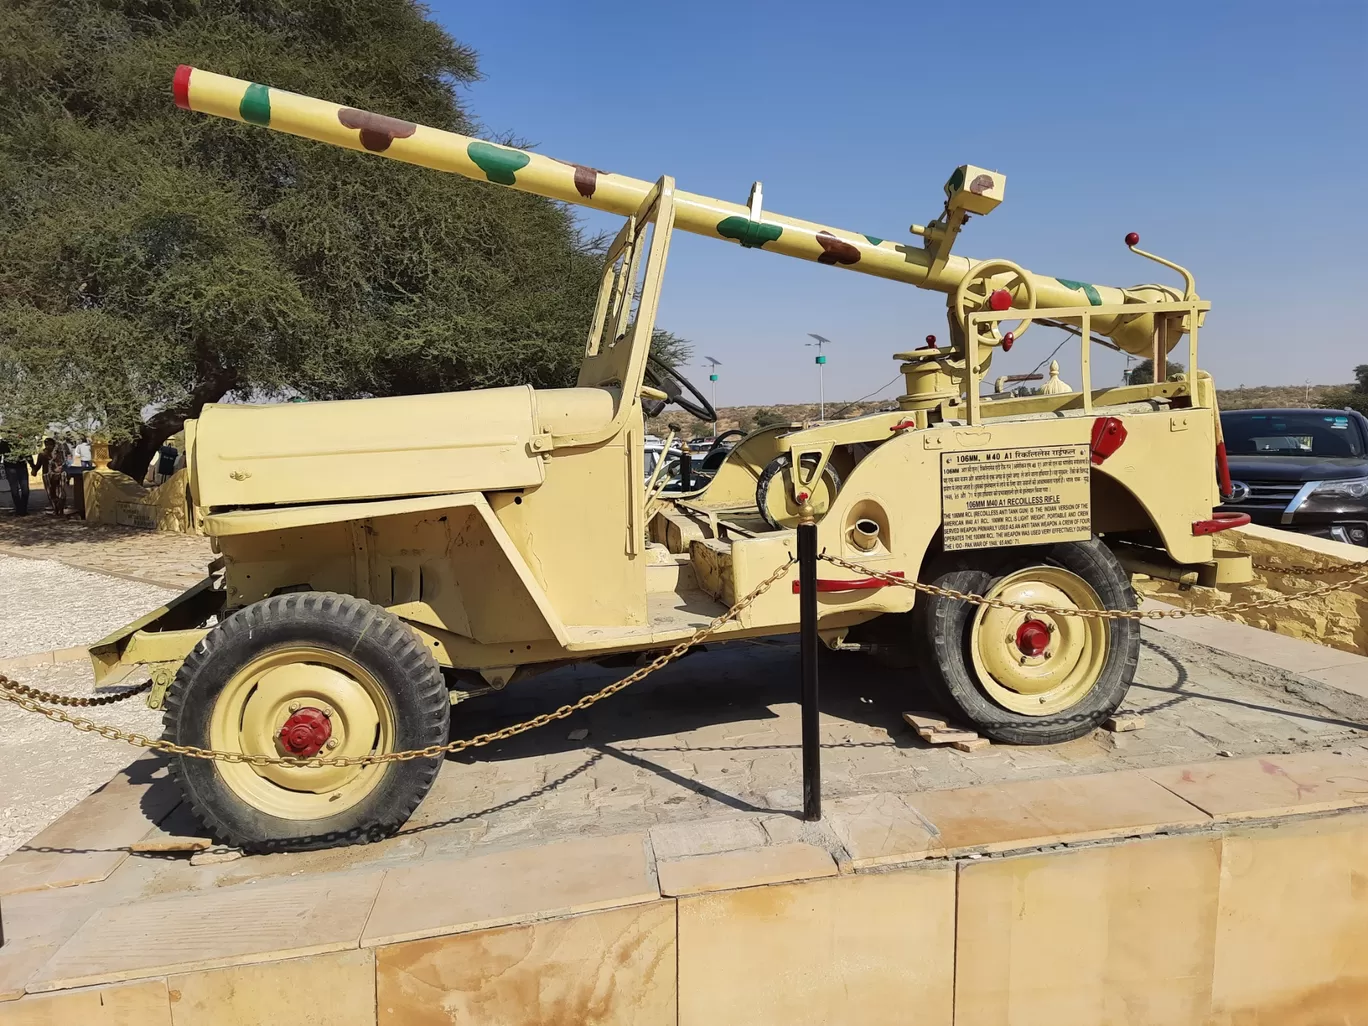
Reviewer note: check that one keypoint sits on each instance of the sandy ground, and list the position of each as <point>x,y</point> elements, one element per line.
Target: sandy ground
<point>46,605</point>
<point>46,767</point>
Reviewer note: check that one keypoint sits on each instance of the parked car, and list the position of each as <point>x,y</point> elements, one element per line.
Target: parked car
<point>1300,470</point>
<point>706,455</point>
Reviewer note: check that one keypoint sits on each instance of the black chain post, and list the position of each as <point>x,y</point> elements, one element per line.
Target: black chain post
<point>807,611</point>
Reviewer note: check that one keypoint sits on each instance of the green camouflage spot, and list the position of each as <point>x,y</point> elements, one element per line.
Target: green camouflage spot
<point>256,105</point>
<point>751,234</point>
<point>955,183</point>
<point>499,163</point>
<point>1082,286</point>
<point>873,241</point>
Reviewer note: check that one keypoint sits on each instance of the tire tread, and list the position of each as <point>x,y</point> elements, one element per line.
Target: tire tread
<point>417,670</point>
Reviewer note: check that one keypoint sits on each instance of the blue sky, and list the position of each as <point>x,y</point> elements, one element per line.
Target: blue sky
<point>1231,136</point>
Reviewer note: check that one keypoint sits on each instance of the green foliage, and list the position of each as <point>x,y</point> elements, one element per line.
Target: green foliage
<point>1143,372</point>
<point>1354,397</point>
<point>153,259</point>
<point>768,418</point>
<point>670,349</point>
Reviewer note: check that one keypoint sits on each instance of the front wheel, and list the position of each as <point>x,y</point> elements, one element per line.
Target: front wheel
<point>1031,678</point>
<point>306,674</point>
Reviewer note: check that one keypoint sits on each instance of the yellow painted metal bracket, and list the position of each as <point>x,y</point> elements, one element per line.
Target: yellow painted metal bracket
<point>163,635</point>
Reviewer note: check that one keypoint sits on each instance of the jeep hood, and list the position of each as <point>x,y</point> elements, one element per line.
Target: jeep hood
<point>354,449</point>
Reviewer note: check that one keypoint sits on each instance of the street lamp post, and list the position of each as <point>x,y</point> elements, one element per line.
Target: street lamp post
<point>712,377</point>
<point>821,366</point>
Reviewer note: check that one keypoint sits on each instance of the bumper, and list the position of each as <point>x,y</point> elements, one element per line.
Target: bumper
<point>162,638</point>
<point>1350,532</point>
<point>1348,527</point>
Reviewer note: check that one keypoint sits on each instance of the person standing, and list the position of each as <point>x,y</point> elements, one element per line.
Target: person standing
<point>16,468</point>
<point>51,463</point>
<point>167,456</point>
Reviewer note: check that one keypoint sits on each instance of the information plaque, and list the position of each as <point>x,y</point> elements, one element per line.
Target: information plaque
<point>991,498</point>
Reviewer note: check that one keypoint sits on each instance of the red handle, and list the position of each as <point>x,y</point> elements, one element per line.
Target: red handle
<point>1219,522</point>
<point>857,584</point>
<point>1223,472</point>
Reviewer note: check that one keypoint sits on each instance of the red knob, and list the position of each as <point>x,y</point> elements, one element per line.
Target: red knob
<point>1133,239</point>
<point>931,341</point>
<point>1008,340</point>
<point>1033,638</point>
<point>1000,300</point>
<point>305,732</point>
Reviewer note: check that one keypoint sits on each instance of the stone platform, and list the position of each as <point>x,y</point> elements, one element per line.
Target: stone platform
<point>1206,869</point>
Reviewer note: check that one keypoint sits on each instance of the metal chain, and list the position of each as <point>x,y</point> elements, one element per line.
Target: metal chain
<point>40,702</point>
<point>1094,614</point>
<point>1307,568</point>
<point>30,699</point>
<point>52,698</point>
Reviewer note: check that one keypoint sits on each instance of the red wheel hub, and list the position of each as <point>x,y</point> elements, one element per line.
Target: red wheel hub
<point>306,732</point>
<point>1033,637</point>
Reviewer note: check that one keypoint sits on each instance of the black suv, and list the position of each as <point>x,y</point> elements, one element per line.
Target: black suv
<point>1301,470</point>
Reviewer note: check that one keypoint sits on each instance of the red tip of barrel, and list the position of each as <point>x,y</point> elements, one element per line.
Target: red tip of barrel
<point>180,86</point>
<point>1132,239</point>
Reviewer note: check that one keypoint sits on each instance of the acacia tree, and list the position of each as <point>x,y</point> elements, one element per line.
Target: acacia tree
<point>1354,397</point>
<point>153,260</point>
<point>1143,372</point>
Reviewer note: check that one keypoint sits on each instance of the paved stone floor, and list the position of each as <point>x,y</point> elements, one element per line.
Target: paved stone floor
<point>720,731</point>
<point>715,735</point>
<point>159,557</point>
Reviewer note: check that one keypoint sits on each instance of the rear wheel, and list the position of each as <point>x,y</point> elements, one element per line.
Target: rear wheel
<point>1030,678</point>
<point>307,674</point>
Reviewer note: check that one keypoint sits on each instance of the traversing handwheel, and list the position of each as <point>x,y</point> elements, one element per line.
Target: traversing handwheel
<point>976,291</point>
<point>661,375</point>
<point>774,493</point>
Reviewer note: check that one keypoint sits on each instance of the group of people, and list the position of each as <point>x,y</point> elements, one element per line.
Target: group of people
<point>49,463</point>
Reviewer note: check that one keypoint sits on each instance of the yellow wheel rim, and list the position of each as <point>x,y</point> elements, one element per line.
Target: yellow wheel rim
<point>779,498</point>
<point>1039,664</point>
<point>254,706</point>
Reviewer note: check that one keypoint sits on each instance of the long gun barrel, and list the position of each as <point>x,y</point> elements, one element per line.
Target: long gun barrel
<point>581,184</point>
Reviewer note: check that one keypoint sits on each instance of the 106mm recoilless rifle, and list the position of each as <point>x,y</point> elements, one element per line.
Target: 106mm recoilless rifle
<point>383,559</point>
<point>931,265</point>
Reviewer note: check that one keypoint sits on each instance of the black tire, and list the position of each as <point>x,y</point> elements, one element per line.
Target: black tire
<point>942,629</point>
<point>776,467</point>
<point>379,642</point>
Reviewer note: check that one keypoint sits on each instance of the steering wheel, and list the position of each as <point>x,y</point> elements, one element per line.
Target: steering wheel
<point>721,439</point>
<point>976,293</point>
<point>662,376</point>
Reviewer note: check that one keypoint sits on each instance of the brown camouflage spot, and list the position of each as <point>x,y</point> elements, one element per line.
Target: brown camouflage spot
<point>836,251</point>
<point>586,178</point>
<point>981,184</point>
<point>377,131</point>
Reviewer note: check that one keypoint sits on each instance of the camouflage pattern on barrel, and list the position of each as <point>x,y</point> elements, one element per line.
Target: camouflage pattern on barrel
<point>582,184</point>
